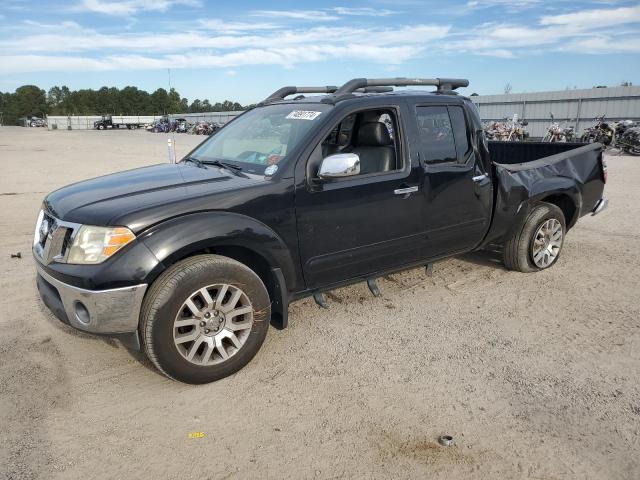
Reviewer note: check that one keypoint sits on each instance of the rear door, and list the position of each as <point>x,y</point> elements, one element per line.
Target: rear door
<point>457,189</point>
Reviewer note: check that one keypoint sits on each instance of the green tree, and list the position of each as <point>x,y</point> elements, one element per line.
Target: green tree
<point>30,100</point>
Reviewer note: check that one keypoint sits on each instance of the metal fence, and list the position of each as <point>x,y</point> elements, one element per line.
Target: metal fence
<point>575,108</point>
<point>85,122</point>
<point>215,117</point>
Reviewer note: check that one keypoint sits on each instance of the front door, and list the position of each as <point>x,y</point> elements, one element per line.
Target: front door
<point>369,222</point>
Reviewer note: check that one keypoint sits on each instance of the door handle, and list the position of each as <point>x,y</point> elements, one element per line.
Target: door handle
<point>479,178</point>
<point>405,190</point>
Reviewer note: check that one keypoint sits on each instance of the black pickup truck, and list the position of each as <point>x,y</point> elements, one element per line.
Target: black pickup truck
<point>193,261</point>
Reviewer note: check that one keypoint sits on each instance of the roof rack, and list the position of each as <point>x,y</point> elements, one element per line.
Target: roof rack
<point>284,92</point>
<point>443,84</point>
<point>368,85</point>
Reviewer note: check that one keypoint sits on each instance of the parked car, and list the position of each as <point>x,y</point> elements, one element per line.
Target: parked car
<point>191,262</point>
<point>37,122</point>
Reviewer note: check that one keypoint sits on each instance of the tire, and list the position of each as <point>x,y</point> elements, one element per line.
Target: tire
<point>518,251</point>
<point>100,127</point>
<point>164,307</point>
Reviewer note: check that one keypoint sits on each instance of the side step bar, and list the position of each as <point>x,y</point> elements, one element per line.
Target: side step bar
<point>372,282</point>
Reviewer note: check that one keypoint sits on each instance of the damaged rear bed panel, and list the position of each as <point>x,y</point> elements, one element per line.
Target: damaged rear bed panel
<point>527,172</point>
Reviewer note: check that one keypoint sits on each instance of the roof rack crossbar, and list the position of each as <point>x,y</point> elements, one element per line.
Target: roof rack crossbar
<point>443,84</point>
<point>283,92</point>
<point>374,90</point>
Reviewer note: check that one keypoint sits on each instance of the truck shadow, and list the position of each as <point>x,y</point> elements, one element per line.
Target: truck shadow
<point>491,257</point>
<point>111,342</point>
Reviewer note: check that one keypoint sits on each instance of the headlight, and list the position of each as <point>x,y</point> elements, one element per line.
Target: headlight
<point>96,244</point>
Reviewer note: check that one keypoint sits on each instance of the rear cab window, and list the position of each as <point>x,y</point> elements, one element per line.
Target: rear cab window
<point>443,134</point>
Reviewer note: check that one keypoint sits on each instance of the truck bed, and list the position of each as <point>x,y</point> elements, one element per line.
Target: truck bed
<point>510,153</point>
<point>526,172</point>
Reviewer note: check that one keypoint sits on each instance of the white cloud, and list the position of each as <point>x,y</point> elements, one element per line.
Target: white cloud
<point>496,52</point>
<point>323,14</point>
<point>601,44</point>
<point>218,25</point>
<point>509,4</point>
<point>285,57</point>
<point>312,15</point>
<point>598,18</point>
<point>581,32</point>
<point>130,7</point>
<point>70,39</point>
<point>362,11</point>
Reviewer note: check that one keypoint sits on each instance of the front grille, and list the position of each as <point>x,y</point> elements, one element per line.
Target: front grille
<point>53,238</point>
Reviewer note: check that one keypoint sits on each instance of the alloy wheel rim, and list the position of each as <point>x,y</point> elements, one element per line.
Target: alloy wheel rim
<point>213,324</point>
<point>547,242</point>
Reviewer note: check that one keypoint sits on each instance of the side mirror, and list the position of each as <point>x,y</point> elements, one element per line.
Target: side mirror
<point>339,165</point>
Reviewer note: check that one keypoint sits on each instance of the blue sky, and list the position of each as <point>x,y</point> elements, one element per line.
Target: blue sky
<point>242,50</point>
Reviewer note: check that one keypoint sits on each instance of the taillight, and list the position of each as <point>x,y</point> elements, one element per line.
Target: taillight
<point>604,170</point>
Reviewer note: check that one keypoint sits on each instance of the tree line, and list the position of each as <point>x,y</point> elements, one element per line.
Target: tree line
<point>30,100</point>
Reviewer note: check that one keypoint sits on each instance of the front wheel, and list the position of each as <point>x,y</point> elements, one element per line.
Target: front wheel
<point>537,244</point>
<point>204,319</point>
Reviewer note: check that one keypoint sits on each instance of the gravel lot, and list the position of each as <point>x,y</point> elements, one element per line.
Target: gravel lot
<point>535,375</point>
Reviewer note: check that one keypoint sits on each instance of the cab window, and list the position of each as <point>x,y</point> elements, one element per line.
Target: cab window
<point>371,134</point>
<point>443,134</point>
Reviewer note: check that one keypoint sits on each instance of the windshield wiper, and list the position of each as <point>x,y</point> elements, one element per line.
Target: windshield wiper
<point>235,169</point>
<point>194,160</point>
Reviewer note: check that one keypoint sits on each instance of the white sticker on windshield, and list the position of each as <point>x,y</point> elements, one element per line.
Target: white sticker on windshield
<point>270,170</point>
<point>303,115</point>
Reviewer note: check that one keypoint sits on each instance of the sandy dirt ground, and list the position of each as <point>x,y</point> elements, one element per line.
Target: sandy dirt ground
<point>535,375</point>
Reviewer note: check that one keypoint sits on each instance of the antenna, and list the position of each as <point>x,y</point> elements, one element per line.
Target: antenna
<point>170,144</point>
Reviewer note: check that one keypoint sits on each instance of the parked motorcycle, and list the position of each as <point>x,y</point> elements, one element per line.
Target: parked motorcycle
<point>511,130</point>
<point>602,132</point>
<point>182,126</point>
<point>627,137</point>
<point>161,126</point>
<point>558,133</point>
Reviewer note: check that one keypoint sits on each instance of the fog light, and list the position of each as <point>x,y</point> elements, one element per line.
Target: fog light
<point>82,314</point>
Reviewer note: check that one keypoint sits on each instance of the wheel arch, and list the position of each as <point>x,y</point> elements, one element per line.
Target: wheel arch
<point>565,203</point>
<point>232,235</point>
<point>564,193</point>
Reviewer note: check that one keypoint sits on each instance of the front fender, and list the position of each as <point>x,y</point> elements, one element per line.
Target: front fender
<point>179,237</point>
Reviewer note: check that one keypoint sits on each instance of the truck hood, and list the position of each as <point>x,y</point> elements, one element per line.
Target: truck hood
<point>137,198</point>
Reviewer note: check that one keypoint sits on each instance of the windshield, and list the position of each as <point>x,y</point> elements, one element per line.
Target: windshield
<point>261,137</point>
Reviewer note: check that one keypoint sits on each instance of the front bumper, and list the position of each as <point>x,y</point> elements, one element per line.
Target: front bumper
<point>112,311</point>
<point>600,206</point>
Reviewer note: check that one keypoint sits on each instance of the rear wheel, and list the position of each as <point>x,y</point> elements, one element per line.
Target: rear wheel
<point>537,244</point>
<point>204,319</point>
